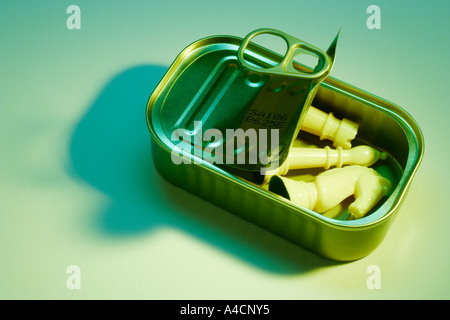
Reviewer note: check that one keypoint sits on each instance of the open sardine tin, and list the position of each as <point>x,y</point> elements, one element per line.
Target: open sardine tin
<point>206,87</point>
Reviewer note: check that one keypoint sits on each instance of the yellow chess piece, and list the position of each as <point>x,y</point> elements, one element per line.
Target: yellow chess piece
<point>327,127</point>
<point>331,187</point>
<point>306,158</point>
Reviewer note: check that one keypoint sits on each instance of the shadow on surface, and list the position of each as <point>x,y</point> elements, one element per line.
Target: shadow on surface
<point>110,150</point>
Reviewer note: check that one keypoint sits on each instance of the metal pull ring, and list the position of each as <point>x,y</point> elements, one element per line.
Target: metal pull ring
<point>295,47</point>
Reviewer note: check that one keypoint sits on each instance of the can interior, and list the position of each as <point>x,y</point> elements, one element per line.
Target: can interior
<point>384,126</point>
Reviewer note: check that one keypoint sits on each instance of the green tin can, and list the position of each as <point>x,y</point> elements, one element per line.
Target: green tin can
<point>221,84</point>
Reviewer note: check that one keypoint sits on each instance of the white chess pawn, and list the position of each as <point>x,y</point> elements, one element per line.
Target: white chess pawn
<point>331,187</point>
<point>327,127</point>
<point>306,158</point>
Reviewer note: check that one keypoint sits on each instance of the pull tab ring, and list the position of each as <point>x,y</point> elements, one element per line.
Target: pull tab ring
<point>296,47</point>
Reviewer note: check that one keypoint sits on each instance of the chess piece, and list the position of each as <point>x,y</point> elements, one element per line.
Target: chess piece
<point>306,158</point>
<point>327,127</point>
<point>331,187</point>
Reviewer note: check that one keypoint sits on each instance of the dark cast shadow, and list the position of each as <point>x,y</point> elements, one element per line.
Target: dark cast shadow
<point>110,150</point>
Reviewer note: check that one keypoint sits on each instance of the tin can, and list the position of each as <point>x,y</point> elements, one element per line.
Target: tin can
<point>206,83</point>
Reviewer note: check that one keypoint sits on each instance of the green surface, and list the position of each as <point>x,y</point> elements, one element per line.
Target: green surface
<point>77,184</point>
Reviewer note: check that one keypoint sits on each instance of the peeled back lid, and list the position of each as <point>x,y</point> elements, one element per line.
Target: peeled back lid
<point>233,103</point>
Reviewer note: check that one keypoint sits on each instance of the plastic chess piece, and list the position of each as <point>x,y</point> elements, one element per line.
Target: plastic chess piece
<point>331,187</point>
<point>306,158</point>
<point>327,127</point>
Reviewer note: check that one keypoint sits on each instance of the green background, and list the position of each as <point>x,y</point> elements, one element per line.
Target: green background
<point>77,183</point>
